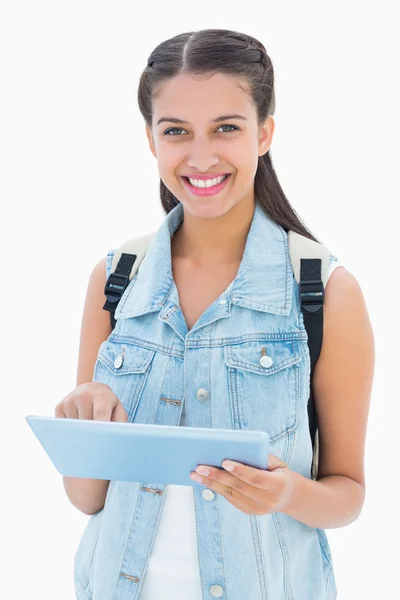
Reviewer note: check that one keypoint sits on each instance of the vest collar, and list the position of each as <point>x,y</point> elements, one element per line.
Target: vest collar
<point>264,281</point>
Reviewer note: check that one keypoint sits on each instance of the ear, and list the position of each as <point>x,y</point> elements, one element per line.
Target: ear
<point>266,132</point>
<point>149,134</point>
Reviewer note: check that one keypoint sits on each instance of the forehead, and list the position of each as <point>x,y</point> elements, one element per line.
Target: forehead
<point>188,97</point>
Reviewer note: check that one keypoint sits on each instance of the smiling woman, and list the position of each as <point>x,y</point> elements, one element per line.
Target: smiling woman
<point>208,144</point>
<point>211,332</point>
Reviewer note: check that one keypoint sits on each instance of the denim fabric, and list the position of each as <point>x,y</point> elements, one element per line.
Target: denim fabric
<point>268,557</point>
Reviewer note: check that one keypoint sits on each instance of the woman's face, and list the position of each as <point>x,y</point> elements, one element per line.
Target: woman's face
<point>200,145</point>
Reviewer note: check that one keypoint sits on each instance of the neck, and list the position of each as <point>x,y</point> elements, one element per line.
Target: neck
<point>220,239</point>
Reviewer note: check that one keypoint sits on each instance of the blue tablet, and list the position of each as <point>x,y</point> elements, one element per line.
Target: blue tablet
<point>143,452</point>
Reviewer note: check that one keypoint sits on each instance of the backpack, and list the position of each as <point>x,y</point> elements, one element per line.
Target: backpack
<point>310,262</point>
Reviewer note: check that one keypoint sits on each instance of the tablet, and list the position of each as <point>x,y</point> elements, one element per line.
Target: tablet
<point>143,452</point>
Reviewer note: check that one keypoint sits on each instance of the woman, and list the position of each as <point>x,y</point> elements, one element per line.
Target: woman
<point>214,295</point>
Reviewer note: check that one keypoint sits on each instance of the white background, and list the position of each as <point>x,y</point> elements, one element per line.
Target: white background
<point>77,178</point>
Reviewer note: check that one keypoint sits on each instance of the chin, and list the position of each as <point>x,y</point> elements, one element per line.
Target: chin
<point>209,209</point>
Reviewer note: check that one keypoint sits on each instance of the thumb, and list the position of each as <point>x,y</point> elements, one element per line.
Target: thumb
<point>274,462</point>
<point>119,413</point>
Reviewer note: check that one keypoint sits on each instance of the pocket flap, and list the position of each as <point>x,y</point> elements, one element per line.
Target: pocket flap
<point>246,356</point>
<point>135,358</point>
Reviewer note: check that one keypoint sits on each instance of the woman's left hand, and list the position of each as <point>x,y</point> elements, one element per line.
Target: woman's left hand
<point>253,491</point>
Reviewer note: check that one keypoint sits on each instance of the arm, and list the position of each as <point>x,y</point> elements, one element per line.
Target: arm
<point>342,385</point>
<point>88,495</point>
<point>332,501</point>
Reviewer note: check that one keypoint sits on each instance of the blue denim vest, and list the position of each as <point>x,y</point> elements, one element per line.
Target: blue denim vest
<point>268,557</point>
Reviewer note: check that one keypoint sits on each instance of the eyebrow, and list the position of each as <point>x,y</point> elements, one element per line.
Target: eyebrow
<point>221,118</point>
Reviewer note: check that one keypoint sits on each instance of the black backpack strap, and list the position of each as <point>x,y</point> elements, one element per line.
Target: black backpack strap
<point>125,263</point>
<point>117,283</point>
<point>312,297</point>
<point>310,263</point>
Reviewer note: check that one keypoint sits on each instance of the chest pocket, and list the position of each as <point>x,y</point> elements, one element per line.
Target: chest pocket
<point>125,368</point>
<point>265,395</point>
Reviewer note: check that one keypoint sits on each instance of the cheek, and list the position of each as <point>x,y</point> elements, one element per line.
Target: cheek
<point>169,161</point>
<point>243,157</point>
<point>249,162</point>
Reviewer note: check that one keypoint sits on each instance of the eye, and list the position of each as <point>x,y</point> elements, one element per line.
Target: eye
<point>167,131</point>
<point>234,127</point>
<point>172,129</point>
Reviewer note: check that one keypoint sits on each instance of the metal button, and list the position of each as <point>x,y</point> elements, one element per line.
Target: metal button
<point>202,394</point>
<point>216,591</point>
<point>266,361</point>
<point>118,361</point>
<point>208,494</point>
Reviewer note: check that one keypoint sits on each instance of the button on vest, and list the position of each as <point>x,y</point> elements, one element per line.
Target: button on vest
<point>202,394</point>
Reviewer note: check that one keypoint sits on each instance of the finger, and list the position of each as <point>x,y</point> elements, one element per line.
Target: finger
<point>243,490</point>
<point>244,503</point>
<point>59,411</point>
<point>101,409</point>
<point>230,486</point>
<point>85,408</point>
<point>119,413</point>
<point>70,409</point>
<point>258,478</point>
<point>68,406</point>
<point>250,508</point>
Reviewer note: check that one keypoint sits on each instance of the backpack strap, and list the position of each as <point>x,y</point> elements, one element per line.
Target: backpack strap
<point>310,264</point>
<point>126,261</point>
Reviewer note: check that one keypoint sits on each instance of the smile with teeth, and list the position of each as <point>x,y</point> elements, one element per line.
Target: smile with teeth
<point>200,183</point>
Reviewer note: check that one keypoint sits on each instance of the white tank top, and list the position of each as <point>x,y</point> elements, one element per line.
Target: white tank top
<point>173,569</point>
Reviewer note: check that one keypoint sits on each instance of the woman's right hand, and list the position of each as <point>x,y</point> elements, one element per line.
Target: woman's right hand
<point>93,400</point>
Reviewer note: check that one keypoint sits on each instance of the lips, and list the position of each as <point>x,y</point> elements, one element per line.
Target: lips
<point>206,191</point>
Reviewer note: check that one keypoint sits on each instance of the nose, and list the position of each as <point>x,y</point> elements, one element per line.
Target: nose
<point>201,156</point>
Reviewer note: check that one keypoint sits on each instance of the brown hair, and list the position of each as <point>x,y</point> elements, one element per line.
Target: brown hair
<point>220,50</point>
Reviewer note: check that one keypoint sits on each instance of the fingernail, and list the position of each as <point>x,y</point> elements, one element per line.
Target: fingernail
<point>228,465</point>
<point>202,471</point>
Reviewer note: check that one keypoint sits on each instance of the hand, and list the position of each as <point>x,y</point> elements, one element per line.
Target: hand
<point>253,491</point>
<point>93,400</point>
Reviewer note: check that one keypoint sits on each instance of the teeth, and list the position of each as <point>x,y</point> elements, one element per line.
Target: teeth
<point>200,183</point>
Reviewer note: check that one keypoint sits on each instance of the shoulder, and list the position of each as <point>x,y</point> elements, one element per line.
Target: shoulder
<point>343,295</point>
<point>346,318</point>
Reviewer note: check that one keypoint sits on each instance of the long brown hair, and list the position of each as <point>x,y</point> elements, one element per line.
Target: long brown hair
<point>220,50</point>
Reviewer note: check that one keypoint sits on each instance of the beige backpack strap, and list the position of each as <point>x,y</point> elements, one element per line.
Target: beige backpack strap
<point>136,245</point>
<point>301,246</point>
